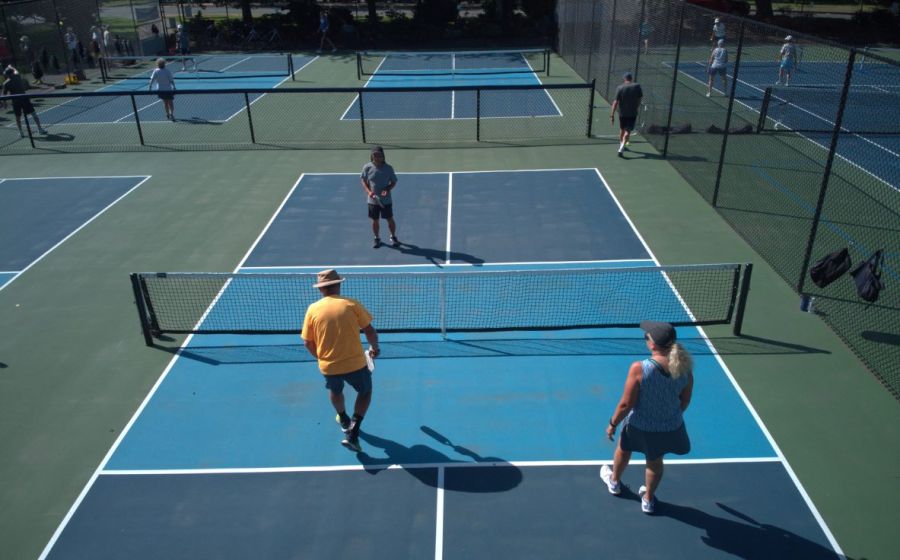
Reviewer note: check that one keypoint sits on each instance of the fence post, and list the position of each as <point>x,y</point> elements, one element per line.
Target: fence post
<point>362,118</point>
<point>137,119</point>
<point>637,56</point>
<point>590,55</point>
<point>742,300</point>
<point>249,118</point>
<point>665,151</point>
<point>590,119</point>
<point>734,82</point>
<point>478,115</point>
<point>612,39</point>
<point>835,134</point>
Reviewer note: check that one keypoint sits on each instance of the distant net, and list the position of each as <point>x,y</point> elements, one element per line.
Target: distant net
<point>870,109</point>
<point>275,303</point>
<point>200,66</point>
<point>450,63</point>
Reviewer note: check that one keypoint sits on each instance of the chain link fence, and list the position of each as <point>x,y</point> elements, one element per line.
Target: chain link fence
<point>801,156</point>
<point>111,120</point>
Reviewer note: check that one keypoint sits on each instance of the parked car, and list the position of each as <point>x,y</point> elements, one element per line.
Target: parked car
<point>736,7</point>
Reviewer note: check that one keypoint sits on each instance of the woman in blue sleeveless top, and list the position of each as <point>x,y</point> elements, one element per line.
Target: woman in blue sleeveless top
<point>657,392</point>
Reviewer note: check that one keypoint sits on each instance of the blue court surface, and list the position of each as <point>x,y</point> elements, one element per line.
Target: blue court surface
<point>188,107</point>
<point>810,104</point>
<point>37,215</point>
<point>431,70</point>
<point>476,446</point>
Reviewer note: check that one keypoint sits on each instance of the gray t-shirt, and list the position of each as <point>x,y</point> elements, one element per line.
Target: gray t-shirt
<point>379,178</point>
<point>629,98</point>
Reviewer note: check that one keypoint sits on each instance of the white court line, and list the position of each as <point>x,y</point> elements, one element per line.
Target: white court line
<point>406,466</point>
<point>274,87</point>
<point>779,458</point>
<point>553,264</point>
<point>79,228</point>
<point>439,517</point>
<point>805,137</point>
<point>449,216</point>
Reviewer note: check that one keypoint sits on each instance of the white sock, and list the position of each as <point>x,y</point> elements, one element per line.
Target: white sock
<point>622,146</point>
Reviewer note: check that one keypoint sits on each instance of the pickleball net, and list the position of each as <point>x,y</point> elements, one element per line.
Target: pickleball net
<point>446,302</point>
<point>869,109</point>
<point>450,63</point>
<point>199,66</point>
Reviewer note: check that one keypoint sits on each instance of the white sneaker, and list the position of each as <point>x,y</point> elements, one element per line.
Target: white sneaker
<point>778,83</point>
<point>707,94</point>
<point>646,507</point>
<point>615,488</point>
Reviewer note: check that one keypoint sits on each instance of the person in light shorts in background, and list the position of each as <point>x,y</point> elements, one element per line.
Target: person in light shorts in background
<point>717,65</point>
<point>788,61</point>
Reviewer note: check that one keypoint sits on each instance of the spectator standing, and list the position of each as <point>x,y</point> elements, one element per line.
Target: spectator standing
<point>25,45</point>
<point>109,45</point>
<point>718,32</point>
<point>324,28</point>
<point>71,41</point>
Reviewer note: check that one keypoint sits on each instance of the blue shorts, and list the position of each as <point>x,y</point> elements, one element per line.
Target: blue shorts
<point>360,380</point>
<point>787,64</point>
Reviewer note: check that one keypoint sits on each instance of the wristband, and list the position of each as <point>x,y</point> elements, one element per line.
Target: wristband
<point>611,425</point>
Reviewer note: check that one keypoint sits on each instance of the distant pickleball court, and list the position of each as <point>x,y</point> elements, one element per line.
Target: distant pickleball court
<point>452,70</point>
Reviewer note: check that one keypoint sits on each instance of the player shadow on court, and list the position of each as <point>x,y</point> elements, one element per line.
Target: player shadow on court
<point>436,257</point>
<point>498,475</point>
<point>745,537</point>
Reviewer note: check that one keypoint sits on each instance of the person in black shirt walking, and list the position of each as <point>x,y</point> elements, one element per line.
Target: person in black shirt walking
<point>628,103</point>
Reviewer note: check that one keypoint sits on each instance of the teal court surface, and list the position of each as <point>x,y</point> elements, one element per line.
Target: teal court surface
<point>477,445</point>
<point>37,215</point>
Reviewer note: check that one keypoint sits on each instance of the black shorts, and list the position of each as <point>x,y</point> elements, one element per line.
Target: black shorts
<point>166,95</point>
<point>627,123</point>
<point>386,212</point>
<point>22,106</point>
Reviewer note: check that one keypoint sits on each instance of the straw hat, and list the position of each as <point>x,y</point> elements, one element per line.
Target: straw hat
<point>327,278</point>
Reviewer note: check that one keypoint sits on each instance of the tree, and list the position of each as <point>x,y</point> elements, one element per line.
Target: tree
<point>246,14</point>
<point>763,8</point>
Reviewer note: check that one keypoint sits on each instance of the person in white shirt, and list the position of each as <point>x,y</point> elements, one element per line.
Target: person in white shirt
<point>788,58</point>
<point>72,44</point>
<point>718,32</point>
<point>717,65</point>
<point>165,87</point>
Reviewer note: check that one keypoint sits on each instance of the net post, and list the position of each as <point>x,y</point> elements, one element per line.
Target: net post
<point>141,308</point>
<point>547,55</point>
<point>137,119</point>
<point>590,119</point>
<point>478,115</point>
<point>358,66</point>
<point>290,62</point>
<point>249,118</point>
<point>742,299</point>
<point>734,82</point>
<point>665,150</point>
<point>362,116</point>
<point>832,149</point>
<point>764,109</point>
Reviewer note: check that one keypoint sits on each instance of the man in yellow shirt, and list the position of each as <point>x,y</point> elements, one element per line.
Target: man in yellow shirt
<point>331,334</point>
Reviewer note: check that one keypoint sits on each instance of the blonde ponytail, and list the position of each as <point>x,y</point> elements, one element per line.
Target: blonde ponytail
<point>680,361</point>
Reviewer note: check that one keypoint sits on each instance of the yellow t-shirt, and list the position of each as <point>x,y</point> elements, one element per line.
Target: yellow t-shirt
<point>333,323</point>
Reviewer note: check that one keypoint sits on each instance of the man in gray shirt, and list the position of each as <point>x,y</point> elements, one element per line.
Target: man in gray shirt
<point>628,103</point>
<point>378,180</point>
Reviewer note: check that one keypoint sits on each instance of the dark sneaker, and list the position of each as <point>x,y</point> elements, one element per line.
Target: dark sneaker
<point>345,426</point>
<point>376,244</point>
<point>352,443</point>
<point>394,241</point>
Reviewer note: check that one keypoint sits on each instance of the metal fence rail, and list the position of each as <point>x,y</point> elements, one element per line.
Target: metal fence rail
<point>798,171</point>
<point>303,117</point>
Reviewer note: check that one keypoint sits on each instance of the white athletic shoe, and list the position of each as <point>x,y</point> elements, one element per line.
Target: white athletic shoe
<point>646,507</point>
<point>606,475</point>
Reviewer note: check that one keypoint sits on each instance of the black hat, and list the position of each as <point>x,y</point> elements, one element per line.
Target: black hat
<point>662,334</point>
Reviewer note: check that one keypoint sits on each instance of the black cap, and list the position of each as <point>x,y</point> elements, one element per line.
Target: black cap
<point>662,334</point>
<point>628,76</point>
